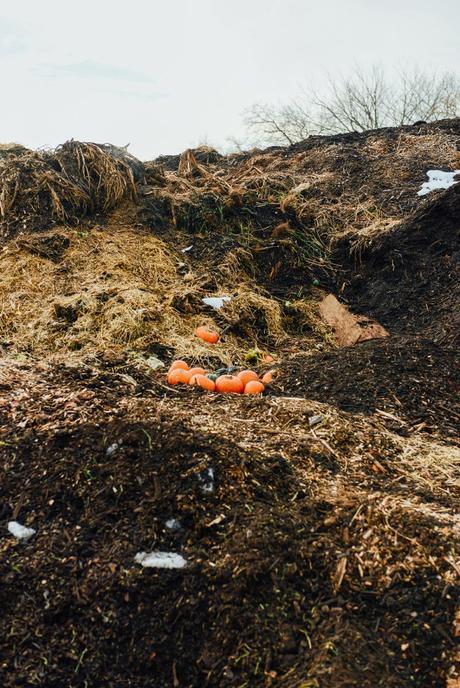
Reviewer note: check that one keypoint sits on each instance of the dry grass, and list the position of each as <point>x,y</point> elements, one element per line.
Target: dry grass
<point>118,290</point>
<point>40,188</point>
<point>436,465</point>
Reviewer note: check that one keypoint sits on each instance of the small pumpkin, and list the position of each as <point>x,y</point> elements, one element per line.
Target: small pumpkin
<point>197,371</point>
<point>178,364</point>
<point>203,382</point>
<point>254,387</point>
<point>247,375</point>
<point>207,335</point>
<point>229,384</point>
<point>268,376</point>
<point>179,376</point>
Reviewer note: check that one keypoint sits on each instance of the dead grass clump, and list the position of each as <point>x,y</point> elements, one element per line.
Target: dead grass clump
<point>303,316</point>
<point>253,316</point>
<point>43,188</point>
<point>439,146</point>
<point>116,290</point>
<point>108,292</point>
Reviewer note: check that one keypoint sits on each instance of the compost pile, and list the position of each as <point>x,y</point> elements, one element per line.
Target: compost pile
<point>310,534</point>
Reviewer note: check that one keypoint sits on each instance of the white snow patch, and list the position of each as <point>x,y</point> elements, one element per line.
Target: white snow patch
<point>20,532</point>
<point>437,179</point>
<point>160,560</point>
<point>173,524</point>
<point>216,301</point>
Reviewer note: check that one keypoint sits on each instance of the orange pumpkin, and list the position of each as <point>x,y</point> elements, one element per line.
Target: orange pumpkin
<point>203,382</point>
<point>229,384</point>
<point>178,364</point>
<point>196,371</point>
<point>247,375</point>
<point>254,387</point>
<point>268,376</point>
<point>207,335</point>
<point>179,376</point>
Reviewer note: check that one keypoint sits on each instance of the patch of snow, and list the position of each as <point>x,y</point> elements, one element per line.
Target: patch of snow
<point>20,532</point>
<point>160,560</point>
<point>206,480</point>
<point>173,524</point>
<point>187,248</point>
<point>437,179</point>
<point>110,451</point>
<point>216,301</point>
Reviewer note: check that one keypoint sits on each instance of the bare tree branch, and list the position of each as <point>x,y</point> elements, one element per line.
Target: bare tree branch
<point>365,100</point>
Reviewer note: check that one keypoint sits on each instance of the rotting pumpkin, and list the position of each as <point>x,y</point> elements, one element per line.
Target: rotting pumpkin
<point>229,384</point>
<point>207,335</point>
<point>196,371</point>
<point>203,382</point>
<point>247,375</point>
<point>254,387</point>
<point>179,376</point>
<point>268,376</point>
<point>178,365</point>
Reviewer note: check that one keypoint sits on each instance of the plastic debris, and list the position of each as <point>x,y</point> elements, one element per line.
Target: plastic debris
<point>187,248</point>
<point>206,480</point>
<point>437,179</point>
<point>154,363</point>
<point>173,524</point>
<point>314,420</point>
<point>216,301</point>
<point>160,560</point>
<point>112,449</point>
<point>20,532</point>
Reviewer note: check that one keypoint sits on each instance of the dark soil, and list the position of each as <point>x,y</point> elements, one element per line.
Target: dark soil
<point>319,522</point>
<point>409,279</point>
<point>263,595</point>
<point>413,379</point>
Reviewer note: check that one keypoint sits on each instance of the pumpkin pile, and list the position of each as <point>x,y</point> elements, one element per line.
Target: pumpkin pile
<point>222,381</point>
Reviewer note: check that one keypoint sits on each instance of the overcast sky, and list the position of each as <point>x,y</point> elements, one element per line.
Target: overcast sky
<point>165,75</point>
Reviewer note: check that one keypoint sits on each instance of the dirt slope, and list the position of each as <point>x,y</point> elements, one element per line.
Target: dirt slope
<point>319,522</point>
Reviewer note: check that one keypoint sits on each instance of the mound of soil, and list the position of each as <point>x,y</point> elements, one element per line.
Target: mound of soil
<point>304,561</point>
<point>318,523</point>
<point>414,379</point>
<point>409,279</point>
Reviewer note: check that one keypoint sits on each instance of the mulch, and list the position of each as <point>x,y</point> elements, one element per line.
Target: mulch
<point>305,555</point>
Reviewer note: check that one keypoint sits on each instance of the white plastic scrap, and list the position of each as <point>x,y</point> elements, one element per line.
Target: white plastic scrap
<point>160,560</point>
<point>110,451</point>
<point>154,363</point>
<point>314,420</point>
<point>187,248</point>
<point>20,532</point>
<point>216,301</point>
<point>437,179</point>
<point>206,480</point>
<point>173,524</point>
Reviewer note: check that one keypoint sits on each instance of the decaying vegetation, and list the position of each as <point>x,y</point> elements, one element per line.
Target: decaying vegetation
<point>319,522</point>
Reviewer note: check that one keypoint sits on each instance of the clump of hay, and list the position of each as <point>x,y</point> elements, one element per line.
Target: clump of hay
<point>253,316</point>
<point>39,189</point>
<point>302,317</point>
<point>116,290</point>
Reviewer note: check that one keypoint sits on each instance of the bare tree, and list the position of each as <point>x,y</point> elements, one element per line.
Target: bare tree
<point>285,124</point>
<point>366,100</point>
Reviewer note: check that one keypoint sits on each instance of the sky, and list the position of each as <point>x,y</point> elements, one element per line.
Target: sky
<point>165,75</point>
